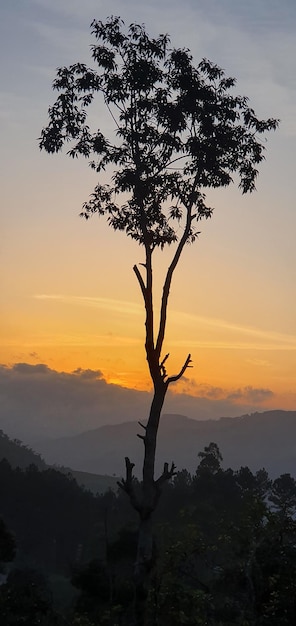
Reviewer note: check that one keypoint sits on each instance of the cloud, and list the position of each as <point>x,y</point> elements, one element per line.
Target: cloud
<point>31,370</point>
<point>38,402</point>
<point>247,337</point>
<point>247,395</point>
<point>259,362</point>
<point>88,374</point>
<point>109,304</point>
<point>255,337</point>
<point>251,394</point>
<point>202,390</point>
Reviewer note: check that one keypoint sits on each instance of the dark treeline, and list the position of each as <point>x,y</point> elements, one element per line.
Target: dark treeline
<point>225,550</point>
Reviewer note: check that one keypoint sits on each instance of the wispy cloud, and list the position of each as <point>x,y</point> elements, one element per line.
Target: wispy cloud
<point>233,345</point>
<point>259,362</point>
<point>108,304</point>
<point>247,337</point>
<point>73,340</point>
<point>257,337</point>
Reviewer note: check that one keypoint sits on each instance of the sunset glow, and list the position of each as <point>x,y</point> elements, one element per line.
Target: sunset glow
<point>69,296</point>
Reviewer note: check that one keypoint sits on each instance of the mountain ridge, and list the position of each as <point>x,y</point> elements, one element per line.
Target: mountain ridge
<point>18,454</point>
<point>258,440</point>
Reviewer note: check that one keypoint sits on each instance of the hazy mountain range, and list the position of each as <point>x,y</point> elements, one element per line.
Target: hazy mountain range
<point>19,455</point>
<point>258,440</point>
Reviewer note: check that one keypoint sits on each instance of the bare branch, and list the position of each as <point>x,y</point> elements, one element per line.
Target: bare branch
<point>186,365</point>
<point>164,359</point>
<point>127,484</point>
<point>162,366</point>
<point>140,280</point>
<point>168,280</point>
<point>112,115</point>
<point>142,425</point>
<point>168,165</point>
<point>167,474</point>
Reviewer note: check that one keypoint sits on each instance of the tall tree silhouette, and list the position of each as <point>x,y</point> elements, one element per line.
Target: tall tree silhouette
<point>178,130</point>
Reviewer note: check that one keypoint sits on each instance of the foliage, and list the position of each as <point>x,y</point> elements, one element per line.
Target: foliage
<point>283,495</point>
<point>225,543</point>
<point>25,600</point>
<point>18,454</point>
<point>7,544</point>
<point>178,129</point>
<point>55,523</point>
<point>211,459</point>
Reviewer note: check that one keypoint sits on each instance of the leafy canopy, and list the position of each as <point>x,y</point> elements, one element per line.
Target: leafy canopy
<point>178,131</point>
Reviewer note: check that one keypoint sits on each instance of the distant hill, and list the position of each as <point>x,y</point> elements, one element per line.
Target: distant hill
<point>19,455</point>
<point>258,440</point>
<point>96,483</point>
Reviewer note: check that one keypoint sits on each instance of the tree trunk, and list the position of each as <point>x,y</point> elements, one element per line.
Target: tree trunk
<point>146,501</point>
<point>142,569</point>
<point>149,497</point>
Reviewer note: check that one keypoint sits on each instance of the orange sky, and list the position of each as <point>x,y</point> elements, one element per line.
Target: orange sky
<point>99,322</point>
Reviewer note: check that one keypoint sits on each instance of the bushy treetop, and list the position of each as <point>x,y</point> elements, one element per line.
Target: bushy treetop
<point>178,130</point>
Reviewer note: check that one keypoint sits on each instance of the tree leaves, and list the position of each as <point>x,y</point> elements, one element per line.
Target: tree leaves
<point>178,130</point>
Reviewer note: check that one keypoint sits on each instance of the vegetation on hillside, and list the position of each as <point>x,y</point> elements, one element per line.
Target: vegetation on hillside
<point>18,454</point>
<point>22,456</point>
<point>224,550</point>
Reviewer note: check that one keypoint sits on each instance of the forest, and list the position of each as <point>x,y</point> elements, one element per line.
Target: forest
<point>224,549</point>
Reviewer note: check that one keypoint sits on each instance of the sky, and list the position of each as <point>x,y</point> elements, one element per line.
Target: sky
<point>70,304</point>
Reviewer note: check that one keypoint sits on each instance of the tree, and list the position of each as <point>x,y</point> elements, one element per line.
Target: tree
<point>283,495</point>
<point>25,600</point>
<point>178,130</point>
<point>7,544</point>
<point>211,459</point>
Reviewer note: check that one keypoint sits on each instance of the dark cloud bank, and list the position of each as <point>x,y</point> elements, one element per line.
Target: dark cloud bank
<point>37,402</point>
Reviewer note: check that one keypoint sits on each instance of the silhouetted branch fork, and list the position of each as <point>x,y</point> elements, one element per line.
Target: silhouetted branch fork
<point>167,474</point>
<point>186,365</point>
<point>127,484</point>
<point>143,437</point>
